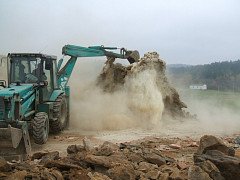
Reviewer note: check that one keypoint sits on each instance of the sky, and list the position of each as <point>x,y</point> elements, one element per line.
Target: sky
<point>181,31</point>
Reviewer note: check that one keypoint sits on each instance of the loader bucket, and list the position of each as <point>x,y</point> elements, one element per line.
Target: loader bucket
<point>14,143</point>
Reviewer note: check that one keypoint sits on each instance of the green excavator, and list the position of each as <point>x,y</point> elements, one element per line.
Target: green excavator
<point>35,99</point>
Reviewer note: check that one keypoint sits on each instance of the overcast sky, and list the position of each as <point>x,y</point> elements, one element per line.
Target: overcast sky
<point>181,31</point>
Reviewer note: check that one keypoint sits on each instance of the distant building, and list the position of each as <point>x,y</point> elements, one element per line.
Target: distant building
<point>198,86</point>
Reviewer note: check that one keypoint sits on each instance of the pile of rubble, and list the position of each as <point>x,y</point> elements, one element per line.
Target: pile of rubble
<point>115,77</point>
<point>150,158</point>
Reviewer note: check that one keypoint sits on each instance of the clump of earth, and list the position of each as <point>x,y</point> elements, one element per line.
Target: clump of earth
<point>146,86</point>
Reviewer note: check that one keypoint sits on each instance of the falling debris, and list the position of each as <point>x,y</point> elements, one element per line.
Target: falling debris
<point>145,83</point>
<point>120,97</point>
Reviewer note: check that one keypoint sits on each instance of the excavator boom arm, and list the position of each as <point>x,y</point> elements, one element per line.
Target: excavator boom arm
<point>93,51</point>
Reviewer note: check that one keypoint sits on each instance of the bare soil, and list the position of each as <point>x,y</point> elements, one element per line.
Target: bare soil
<point>61,141</point>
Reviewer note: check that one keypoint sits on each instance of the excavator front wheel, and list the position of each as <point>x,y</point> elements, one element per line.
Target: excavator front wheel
<point>40,127</point>
<point>60,113</point>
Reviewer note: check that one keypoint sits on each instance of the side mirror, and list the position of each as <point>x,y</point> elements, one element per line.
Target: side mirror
<point>48,64</point>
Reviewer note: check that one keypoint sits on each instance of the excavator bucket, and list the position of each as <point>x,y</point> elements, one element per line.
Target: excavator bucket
<point>14,143</point>
<point>132,56</point>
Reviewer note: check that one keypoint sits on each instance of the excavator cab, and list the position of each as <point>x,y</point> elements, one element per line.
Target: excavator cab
<point>36,69</point>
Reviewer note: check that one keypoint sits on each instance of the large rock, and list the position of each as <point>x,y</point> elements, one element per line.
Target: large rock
<point>46,156</point>
<point>168,169</point>
<point>154,158</point>
<point>106,149</point>
<point>38,155</point>
<point>228,166</point>
<point>61,165</point>
<point>134,157</point>
<point>196,173</point>
<point>182,165</point>
<point>209,142</point>
<point>211,169</point>
<point>145,167</point>
<point>105,161</point>
<point>25,166</point>
<point>73,149</point>
<point>50,157</point>
<point>99,161</point>
<point>122,172</point>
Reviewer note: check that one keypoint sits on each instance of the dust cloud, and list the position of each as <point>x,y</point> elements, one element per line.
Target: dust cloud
<point>214,115</point>
<point>144,98</point>
<point>123,97</point>
<point>140,97</point>
<point>92,109</point>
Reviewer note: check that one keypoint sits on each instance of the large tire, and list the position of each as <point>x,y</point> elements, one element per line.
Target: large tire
<point>40,128</point>
<point>60,115</point>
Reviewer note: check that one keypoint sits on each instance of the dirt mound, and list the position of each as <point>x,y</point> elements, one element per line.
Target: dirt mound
<point>146,85</point>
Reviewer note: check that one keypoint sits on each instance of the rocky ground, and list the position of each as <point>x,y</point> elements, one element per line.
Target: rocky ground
<point>147,158</point>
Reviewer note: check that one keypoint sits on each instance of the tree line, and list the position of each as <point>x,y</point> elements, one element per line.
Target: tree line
<point>223,76</point>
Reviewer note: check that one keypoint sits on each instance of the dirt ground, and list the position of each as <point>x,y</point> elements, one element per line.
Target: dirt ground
<point>148,154</point>
<point>184,154</point>
<point>61,141</point>
<point>130,154</point>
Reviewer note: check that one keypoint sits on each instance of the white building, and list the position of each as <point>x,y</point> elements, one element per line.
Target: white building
<point>198,86</point>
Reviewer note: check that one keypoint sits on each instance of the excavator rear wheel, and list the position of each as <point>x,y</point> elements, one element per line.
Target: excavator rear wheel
<point>60,113</point>
<point>40,127</point>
